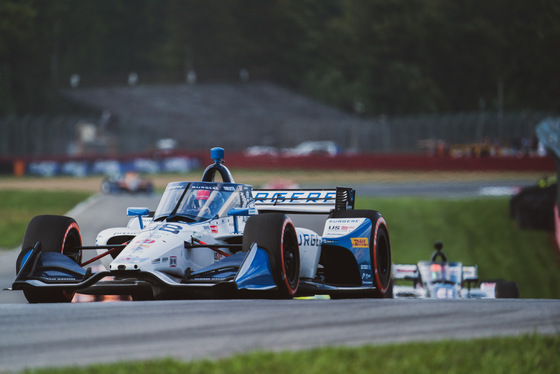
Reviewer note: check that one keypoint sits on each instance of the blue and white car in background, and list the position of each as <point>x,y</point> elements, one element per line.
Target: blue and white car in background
<point>442,279</point>
<point>214,239</point>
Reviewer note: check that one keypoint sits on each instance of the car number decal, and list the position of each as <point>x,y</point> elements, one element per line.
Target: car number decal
<point>169,227</point>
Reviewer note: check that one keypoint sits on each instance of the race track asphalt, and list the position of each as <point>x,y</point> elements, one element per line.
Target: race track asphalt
<point>79,334</point>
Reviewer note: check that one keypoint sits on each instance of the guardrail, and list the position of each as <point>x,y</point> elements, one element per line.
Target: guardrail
<point>404,162</point>
<point>181,162</point>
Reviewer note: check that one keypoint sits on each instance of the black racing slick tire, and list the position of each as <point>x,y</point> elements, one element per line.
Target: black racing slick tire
<point>57,234</point>
<point>506,290</point>
<point>275,232</point>
<point>379,249</point>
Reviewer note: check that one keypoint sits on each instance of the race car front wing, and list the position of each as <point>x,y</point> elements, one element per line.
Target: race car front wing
<point>247,270</point>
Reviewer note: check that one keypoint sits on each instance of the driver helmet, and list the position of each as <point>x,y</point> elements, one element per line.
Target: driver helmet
<point>201,197</point>
<point>435,271</point>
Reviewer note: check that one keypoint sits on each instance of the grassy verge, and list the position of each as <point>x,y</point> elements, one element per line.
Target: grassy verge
<point>474,232</point>
<point>512,355</point>
<point>17,208</point>
<point>258,178</point>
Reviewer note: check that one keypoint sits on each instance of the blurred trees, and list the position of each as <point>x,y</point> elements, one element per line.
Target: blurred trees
<point>374,57</point>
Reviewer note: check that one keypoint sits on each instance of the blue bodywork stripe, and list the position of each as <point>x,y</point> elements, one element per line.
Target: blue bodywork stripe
<point>25,258</point>
<point>255,273</point>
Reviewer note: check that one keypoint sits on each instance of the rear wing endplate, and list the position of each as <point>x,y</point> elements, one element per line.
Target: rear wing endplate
<point>401,271</point>
<point>304,200</point>
<point>470,273</point>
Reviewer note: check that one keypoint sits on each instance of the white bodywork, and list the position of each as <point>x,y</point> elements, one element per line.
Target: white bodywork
<point>175,240</point>
<point>160,246</point>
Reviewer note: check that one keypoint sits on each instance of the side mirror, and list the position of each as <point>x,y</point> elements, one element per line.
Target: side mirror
<point>236,212</point>
<point>139,212</point>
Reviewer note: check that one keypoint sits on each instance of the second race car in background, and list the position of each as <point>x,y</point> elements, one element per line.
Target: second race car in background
<point>442,279</point>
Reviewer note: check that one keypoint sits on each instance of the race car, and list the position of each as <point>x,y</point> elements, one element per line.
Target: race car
<point>442,279</point>
<point>130,182</point>
<point>217,239</point>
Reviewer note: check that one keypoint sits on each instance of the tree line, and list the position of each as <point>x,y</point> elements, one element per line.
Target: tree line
<point>373,57</point>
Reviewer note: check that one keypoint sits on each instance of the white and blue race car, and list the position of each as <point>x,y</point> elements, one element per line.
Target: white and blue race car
<point>439,278</point>
<point>214,239</point>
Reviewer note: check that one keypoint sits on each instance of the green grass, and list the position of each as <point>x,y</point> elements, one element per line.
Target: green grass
<point>512,355</point>
<point>474,232</point>
<point>17,208</point>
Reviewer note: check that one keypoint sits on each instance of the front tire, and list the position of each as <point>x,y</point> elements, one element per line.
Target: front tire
<point>275,232</point>
<point>57,234</point>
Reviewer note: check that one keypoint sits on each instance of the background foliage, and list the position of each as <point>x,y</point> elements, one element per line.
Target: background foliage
<point>376,57</point>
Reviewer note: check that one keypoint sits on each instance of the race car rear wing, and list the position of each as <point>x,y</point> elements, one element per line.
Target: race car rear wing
<point>409,272</point>
<point>304,200</point>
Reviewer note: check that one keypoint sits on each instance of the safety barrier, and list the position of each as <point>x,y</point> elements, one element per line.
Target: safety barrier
<point>180,162</point>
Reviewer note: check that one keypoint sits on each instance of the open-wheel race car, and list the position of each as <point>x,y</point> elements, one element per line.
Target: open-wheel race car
<point>214,239</point>
<point>130,182</point>
<point>442,279</point>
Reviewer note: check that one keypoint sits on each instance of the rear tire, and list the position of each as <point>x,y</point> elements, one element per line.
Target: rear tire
<point>506,290</point>
<point>276,233</point>
<point>57,234</point>
<point>379,249</point>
